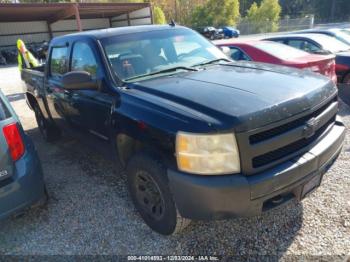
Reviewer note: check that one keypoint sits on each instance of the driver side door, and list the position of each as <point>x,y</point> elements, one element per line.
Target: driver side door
<point>89,109</point>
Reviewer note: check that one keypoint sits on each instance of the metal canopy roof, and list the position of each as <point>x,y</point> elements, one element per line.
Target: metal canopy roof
<point>54,12</point>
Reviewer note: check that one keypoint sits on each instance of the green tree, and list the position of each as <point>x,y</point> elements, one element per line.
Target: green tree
<point>324,10</point>
<point>158,15</point>
<point>216,13</point>
<point>270,11</point>
<point>253,14</point>
<point>198,17</point>
<point>184,10</point>
<point>265,17</point>
<point>296,8</point>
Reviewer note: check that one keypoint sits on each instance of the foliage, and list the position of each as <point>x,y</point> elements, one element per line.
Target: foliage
<point>183,10</point>
<point>216,13</point>
<point>158,15</point>
<point>329,10</point>
<point>264,17</point>
<point>75,1</point>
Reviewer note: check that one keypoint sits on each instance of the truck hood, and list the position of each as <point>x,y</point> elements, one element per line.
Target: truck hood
<point>240,96</point>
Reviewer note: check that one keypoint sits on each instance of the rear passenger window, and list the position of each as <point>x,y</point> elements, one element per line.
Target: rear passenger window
<point>4,112</point>
<point>58,65</point>
<point>83,59</point>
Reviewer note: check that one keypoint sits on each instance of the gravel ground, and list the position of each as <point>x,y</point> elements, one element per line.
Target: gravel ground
<point>90,212</point>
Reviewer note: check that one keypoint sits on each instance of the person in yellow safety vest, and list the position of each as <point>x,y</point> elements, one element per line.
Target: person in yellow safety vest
<point>25,58</point>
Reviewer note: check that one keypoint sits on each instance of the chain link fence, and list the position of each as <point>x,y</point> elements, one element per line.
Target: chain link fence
<point>283,25</point>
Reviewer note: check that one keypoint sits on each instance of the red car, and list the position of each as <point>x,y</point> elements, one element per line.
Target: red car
<point>279,54</point>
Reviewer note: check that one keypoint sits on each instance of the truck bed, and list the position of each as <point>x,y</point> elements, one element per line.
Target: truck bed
<point>34,78</point>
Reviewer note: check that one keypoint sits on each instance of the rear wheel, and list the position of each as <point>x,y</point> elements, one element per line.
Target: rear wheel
<point>148,186</point>
<point>49,132</point>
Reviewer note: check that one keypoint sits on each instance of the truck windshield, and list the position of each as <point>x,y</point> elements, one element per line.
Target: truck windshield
<point>146,53</point>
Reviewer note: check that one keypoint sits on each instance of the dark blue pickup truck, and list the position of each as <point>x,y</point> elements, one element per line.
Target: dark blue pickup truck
<point>201,137</point>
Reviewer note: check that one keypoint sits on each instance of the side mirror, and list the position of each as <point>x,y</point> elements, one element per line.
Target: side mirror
<point>226,50</point>
<point>77,80</point>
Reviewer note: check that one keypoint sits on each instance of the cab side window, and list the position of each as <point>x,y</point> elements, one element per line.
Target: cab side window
<point>296,43</point>
<point>304,45</point>
<point>58,62</point>
<point>238,55</point>
<point>310,47</point>
<point>83,59</point>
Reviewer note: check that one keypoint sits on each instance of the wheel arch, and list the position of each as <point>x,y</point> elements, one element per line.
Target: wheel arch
<point>127,146</point>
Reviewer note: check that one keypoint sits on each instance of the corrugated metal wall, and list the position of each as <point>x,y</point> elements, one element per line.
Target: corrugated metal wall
<point>34,32</point>
<point>139,17</point>
<point>38,31</point>
<point>69,26</point>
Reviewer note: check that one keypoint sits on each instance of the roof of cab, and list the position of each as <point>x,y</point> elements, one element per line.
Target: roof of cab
<point>102,33</point>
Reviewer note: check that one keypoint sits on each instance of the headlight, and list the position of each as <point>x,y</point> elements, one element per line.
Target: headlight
<point>207,154</point>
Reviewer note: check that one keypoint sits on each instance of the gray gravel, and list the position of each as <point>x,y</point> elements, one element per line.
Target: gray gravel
<point>90,212</point>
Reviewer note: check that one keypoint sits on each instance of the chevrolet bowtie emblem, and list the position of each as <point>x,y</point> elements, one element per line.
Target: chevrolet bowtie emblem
<point>310,127</point>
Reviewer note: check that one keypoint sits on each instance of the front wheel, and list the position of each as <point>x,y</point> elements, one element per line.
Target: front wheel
<point>148,186</point>
<point>49,132</point>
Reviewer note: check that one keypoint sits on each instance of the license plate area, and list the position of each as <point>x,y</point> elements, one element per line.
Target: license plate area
<point>310,186</point>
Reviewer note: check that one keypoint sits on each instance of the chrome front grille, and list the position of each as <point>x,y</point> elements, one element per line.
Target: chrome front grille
<point>264,148</point>
<point>281,152</point>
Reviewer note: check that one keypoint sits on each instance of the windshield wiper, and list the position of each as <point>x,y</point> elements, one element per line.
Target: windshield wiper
<point>213,61</point>
<point>172,69</point>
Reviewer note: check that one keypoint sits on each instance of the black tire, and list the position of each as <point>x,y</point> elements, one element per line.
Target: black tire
<point>149,190</point>
<point>49,132</point>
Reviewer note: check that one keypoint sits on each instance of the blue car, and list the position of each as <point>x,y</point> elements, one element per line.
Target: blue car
<point>230,32</point>
<point>21,179</point>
